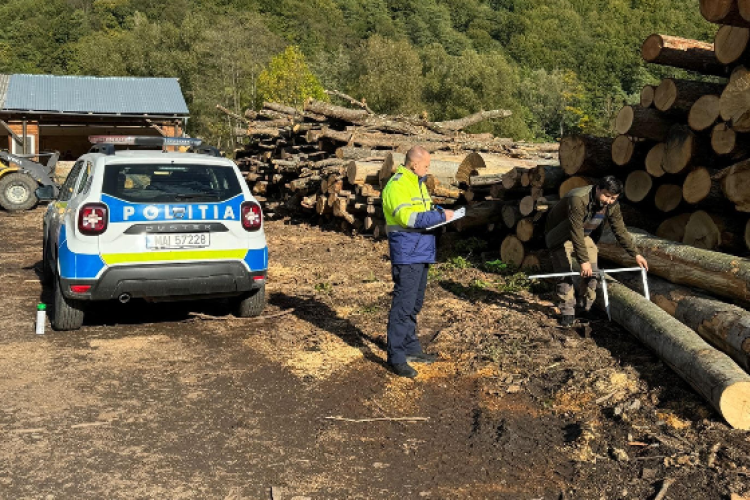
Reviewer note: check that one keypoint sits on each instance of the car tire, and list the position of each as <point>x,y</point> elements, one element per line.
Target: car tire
<point>17,192</point>
<point>251,304</point>
<point>68,313</point>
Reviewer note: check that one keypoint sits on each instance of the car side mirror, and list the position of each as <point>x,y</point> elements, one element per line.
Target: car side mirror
<point>45,193</point>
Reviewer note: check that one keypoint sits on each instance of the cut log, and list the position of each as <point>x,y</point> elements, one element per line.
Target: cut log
<point>684,148</point>
<point>647,96</point>
<point>586,155</point>
<point>476,181</point>
<point>546,176</point>
<point>678,96</point>
<point>527,231</point>
<point>655,160</point>
<point>646,123</point>
<point>512,250</point>
<point>724,326</point>
<point>574,183</point>
<point>360,172</point>
<point>526,206</point>
<point>537,262</point>
<point>511,214</point>
<point>704,113</point>
<point>627,151</point>
<point>700,188</point>
<point>470,120</point>
<point>735,182</point>
<point>711,373</point>
<point>673,229</point>
<point>723,12</point>
<point>744,8</point>
<point>720,274</point>
<point>668,197</point>
<point>389,167</point>
<point>731,45</point>
<point>682,53</point>
<point>638,185</point>
<point>352,153</point>
<point>512,178</point>
<point>481,214</point>
<point>361,117</point>
<point>714,231</point>
<point>726,142</point>
<point>735,102</point>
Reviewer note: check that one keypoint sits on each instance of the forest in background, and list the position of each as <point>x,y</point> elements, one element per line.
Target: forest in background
<point>561,66</point>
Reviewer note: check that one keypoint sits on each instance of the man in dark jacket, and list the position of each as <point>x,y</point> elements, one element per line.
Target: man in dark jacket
<point>408,211</point>
<point>573,225</point>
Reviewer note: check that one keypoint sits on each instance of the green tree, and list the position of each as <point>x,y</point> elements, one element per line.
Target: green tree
<point>288,80</point>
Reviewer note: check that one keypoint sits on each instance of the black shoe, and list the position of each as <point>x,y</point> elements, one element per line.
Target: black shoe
<point>403,370</point>
<point>421,357</point>
<point>567,320</point>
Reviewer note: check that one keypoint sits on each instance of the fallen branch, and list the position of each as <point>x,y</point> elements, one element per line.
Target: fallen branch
<point>209,317</point>
<point>664,487</point>
<point>230,113</point>
<point>362,104</point>
<point>379,419</point>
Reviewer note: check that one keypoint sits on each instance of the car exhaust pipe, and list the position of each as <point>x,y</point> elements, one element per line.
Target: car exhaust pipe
<point>124,298</point>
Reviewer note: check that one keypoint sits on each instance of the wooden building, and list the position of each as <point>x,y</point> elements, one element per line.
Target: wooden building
<point>46,112</point>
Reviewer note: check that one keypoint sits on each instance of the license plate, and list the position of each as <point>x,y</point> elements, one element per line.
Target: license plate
<point>178,240</point>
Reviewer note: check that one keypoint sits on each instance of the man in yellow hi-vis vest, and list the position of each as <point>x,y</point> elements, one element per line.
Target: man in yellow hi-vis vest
<point>408,211</point>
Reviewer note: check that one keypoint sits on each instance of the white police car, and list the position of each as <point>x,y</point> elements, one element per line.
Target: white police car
<point>152,224</point>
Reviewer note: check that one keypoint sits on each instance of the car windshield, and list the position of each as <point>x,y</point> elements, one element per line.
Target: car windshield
<point>170,183</point>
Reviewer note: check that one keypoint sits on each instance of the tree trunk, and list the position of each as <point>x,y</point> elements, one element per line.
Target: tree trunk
<point>684,148</point>
<point>546,176</point>
<point>630,152</point>
<point>512,178</point>
<point>470,120</point>
<point>511,215</point>
<point>655,160</point>
<point>717,273</point>
<point>359,172</point>
<point>352,153</point>
<point>735,102</point>
<point>701,189</point>
<point>481,214</point>
<point>682,53</point>
<point>731,45</point>
<point>485,180</point>
<point>678,96</point>
<point>713,231</point>
<point>527,231</point>
<point>735,182</point>
<point>647,96</point>
<point>710,372</point>
<point>724,326</point>
<point>586,155</point>
<point>723,12</point>
<point>573,183</point>
<point>668,197</point>
<point>512,250</point>
<point>645,123</point>
<point>673,229</point>
<point>638,185</point>
<point>704,113</point>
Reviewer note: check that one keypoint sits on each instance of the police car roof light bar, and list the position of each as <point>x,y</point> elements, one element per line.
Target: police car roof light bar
<point>603,275</point>
<point>144,140</point>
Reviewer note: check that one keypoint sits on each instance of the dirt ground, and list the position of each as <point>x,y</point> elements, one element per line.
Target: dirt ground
<point>183,401</point>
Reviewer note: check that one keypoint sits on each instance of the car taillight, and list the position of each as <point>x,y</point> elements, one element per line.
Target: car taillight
<point>252,216</point>
<point>80,288</point>
<point>93,219</point>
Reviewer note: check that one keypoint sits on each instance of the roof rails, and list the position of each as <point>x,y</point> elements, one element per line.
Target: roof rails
<point>105,144</point>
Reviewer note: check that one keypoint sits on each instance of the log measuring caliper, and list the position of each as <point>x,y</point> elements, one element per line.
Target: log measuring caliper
<point>602,275</point>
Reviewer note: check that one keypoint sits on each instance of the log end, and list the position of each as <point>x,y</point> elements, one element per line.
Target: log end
<point>665,95</point>
<point>638,185</point>
<point>624,120</point>
<point>652,47</point>
<point>734,405</point>
<point>622,150</point>
<point>704,113</point>
<point>572,153</point>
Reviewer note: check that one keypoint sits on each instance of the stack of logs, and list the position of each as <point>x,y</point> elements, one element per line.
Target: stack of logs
<point>683,153</point>
<point>333,161</point>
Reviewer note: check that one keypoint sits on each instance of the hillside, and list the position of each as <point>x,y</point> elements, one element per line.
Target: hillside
<point>561,67</point>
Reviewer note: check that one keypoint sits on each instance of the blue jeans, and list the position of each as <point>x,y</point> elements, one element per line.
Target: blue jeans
<point>409,284</point>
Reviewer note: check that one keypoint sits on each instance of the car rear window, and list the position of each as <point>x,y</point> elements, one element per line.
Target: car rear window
<point>169,183</point>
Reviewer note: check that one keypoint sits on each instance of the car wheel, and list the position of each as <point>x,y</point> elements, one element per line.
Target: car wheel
<point>47,274</point>
<point>68,313</point>
<point>17,192</point>
<point>251,304</point>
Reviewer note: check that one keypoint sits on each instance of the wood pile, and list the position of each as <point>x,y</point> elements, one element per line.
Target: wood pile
<point>332,161</point>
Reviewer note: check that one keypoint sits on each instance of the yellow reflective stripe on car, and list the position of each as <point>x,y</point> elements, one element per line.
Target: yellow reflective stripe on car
<point>127,258</point>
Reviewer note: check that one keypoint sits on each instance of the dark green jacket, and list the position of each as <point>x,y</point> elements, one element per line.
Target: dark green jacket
<point>565,222</point>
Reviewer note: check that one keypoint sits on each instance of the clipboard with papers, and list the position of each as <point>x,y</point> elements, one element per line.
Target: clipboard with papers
<point>457,214</point>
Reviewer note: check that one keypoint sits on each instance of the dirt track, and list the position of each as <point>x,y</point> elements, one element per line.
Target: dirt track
<point>183,401</point>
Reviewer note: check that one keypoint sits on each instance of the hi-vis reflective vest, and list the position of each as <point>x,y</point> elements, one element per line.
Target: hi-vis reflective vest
<point>407,207</point>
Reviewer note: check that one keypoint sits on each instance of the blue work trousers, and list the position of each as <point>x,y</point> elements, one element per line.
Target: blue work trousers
<point>409,284</point>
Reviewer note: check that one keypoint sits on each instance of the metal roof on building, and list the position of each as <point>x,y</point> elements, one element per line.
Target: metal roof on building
<point>4,79</point>
<point>93,95</point>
